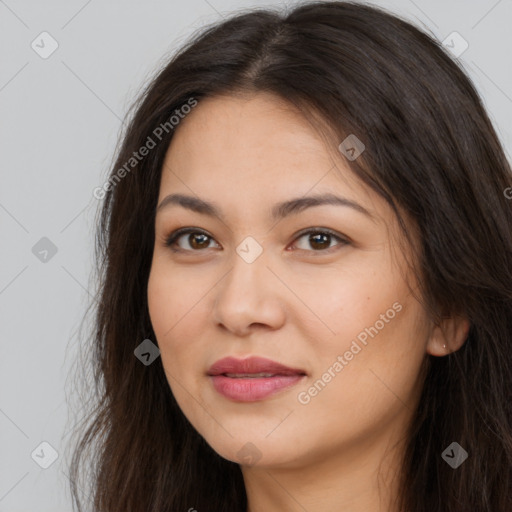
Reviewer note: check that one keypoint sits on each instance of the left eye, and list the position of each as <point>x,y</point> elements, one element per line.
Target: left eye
<point>197,240</point>
<point>319,238</point>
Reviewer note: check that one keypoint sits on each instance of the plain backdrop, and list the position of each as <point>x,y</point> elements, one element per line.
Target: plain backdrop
<point>60,116</point>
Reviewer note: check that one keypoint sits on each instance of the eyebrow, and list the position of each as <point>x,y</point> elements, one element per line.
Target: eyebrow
<point>278,212</point>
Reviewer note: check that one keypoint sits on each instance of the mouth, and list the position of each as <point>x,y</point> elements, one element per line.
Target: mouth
<point>252,379</point>
<point>250,375</point>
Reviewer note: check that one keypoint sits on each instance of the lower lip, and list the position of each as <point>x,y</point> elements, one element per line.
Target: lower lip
<point>253,389</point>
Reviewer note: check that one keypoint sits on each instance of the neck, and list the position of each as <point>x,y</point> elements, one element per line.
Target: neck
<point>362,477</point>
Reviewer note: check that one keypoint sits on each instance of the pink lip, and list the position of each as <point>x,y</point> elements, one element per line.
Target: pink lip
<point>251,389</point>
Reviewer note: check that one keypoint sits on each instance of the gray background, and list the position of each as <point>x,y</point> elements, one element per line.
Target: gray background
<point>60,119</point>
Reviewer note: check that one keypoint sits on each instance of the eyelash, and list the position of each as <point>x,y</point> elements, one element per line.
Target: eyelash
<point>174,236</point>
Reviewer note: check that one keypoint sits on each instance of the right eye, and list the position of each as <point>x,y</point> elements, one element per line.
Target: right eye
<point>197,240</point>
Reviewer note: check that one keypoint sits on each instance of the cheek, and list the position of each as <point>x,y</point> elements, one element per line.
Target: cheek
<point>350,293</point>
<point>382,358</point>
<point>171,297</point>
<point>176,312</point>
<point>348,308</point>
<point>379,331</point>
<point>378,384</point>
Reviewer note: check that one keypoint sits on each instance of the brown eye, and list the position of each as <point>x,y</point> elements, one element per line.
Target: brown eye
<point>320,240</point>
<point>197,240</point>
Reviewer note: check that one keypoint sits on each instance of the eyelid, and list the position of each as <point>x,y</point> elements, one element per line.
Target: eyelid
<point>342,239</point>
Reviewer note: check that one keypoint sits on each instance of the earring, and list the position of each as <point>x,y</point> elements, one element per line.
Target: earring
<point>444,346</point>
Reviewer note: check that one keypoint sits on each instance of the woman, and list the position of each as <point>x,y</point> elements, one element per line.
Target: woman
<point>305,260</point>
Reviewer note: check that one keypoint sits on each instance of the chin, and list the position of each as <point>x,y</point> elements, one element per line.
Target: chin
<point>250,450</point>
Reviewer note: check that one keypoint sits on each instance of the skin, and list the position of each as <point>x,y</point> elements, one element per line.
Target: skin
<point>297,304</point>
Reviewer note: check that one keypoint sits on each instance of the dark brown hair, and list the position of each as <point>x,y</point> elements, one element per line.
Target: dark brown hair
<point>431,151</point>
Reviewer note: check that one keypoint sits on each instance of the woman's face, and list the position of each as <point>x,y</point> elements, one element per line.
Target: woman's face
<point>252,280</point>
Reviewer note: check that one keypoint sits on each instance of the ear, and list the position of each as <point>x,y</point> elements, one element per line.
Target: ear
<point>448,336</point>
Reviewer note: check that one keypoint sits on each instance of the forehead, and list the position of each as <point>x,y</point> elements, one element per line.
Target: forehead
<point>255,142</point>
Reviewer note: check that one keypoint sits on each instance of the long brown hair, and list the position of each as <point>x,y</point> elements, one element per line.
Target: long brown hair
<point>431,151</point>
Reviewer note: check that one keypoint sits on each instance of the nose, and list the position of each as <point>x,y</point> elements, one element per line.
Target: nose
<point>249,297</point>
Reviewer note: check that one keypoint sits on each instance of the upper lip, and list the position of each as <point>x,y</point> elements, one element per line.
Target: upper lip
<point>251,365</point>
